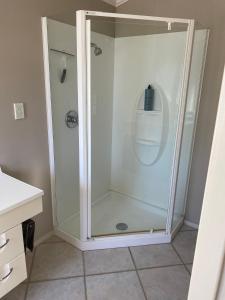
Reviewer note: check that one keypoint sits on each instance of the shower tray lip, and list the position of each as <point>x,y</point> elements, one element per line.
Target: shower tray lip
<point>116,241</point>
<point>120,240</point>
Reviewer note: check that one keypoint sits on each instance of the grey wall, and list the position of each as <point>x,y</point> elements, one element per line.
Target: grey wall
<point>23,143</point>
<point>208,14</point>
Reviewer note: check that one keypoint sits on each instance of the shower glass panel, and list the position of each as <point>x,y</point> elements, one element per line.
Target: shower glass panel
<point>136,79</point>
<point>195,81</point>
<point>123,181</point>
<point>63,79</point>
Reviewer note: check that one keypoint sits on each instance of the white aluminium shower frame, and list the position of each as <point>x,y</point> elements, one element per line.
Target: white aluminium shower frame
<point>84,107</point>
<point>86,242</point>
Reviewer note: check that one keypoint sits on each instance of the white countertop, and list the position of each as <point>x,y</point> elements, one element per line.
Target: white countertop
<point>14,193</point>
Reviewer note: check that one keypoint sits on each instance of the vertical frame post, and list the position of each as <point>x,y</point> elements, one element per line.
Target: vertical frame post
<point>180,127</point>
<point>44,21</point>
<point>82,110</point>
<point>89,127</point>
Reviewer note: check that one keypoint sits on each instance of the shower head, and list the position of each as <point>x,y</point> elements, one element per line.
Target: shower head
<point>97,50</point>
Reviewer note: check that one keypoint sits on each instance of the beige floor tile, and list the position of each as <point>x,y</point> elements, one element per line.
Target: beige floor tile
<point>109,260</point>
<point>168,283</point>
<point>53,238</point>
<point>116,286</point>
<point>16,294</point>
<point>184,244</point>
<point>56,260</point>
<point>65,289</point>
<point>154,256</point>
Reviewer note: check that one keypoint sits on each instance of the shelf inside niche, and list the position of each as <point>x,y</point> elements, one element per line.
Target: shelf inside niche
<point>148,112</point>
<point>148,142</point>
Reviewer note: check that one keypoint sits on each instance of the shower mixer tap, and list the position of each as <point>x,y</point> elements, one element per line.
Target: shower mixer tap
<point>71,119</point>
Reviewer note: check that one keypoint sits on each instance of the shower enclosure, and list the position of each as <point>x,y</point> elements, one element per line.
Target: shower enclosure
<point>122,97</point>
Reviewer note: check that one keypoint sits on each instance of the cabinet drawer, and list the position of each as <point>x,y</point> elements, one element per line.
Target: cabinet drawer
<point>12,274</point>
<point>11,244</point>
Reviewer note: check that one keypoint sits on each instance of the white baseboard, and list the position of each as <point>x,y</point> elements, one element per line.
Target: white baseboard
<point>43,238</point>
<point>191,224</point>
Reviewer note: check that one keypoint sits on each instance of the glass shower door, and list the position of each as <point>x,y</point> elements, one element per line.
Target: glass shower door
<point>65,138</point>
<point>193,95</point>
<point>137,71</point>
<point>136,80</point>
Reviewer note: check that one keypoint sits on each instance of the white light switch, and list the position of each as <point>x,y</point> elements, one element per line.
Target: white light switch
<point>18,111</point>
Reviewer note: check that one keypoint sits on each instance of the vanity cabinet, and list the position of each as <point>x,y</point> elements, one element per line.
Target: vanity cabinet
<point>18,202</point>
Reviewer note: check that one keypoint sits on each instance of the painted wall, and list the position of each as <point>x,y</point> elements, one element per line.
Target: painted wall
<point>208,14</point>
<point>24,147</point>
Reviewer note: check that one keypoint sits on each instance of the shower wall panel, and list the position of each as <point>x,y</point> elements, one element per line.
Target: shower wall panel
<point>139,61</point>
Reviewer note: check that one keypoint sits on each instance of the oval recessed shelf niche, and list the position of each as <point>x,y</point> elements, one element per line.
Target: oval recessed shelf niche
<point>148,129</point>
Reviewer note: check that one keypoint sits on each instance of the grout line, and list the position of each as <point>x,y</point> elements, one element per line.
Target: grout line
<point>111,272</point>
<point>107,273</point>
<point>180,259</point>
<point>187,268</point>
<point>55,279</point>
<point>175,250</point>
<point>159,267</point>
<point>181,232</point>
<point>142,287</point>
<point>185,230</point>
<point>134,269</point>
<point>84,269</point>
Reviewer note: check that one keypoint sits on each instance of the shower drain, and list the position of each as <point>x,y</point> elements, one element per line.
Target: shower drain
<point>121,226</point>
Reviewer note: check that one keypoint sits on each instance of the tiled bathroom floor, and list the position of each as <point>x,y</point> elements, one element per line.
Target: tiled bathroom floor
<point>59,271</point>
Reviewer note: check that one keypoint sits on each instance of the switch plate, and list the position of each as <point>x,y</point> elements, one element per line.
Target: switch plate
<point>18,111</point>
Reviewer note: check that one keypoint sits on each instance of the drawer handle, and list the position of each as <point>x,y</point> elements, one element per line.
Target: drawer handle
<point>7,276</point>
<point>6,242</point>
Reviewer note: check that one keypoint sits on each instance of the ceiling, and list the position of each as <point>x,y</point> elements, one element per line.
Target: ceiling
<point>115,3</point>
